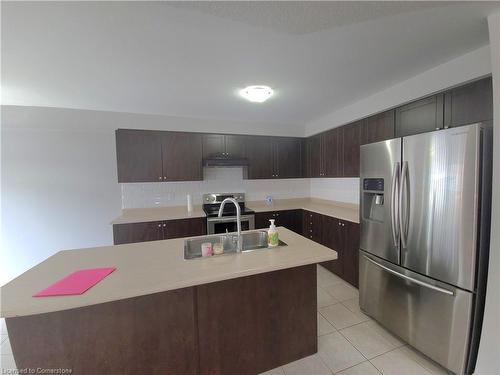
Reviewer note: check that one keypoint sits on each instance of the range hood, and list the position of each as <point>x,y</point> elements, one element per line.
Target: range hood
<point>225,162</point>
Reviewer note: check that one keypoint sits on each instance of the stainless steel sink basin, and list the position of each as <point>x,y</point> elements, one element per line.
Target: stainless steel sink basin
<point>251,241</point>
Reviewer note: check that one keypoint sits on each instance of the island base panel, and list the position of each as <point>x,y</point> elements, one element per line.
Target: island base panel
<point>256,323</point>
<point>153,334</point>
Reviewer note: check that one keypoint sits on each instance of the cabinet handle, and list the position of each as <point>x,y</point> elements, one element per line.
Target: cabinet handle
<point>164,225</point>
<point>159,225</point>
<point>164,177</point>
<point>159,178</point>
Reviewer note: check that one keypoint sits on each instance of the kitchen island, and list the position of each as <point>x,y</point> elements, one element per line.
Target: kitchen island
<point>160,314</point>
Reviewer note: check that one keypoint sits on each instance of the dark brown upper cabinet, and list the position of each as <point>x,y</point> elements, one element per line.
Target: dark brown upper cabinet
<point>351,140</point>
<point>148,156</point>
<point>182,157</point>
<point>138,154</point>
<point>379,127</point>
<point>260,155</point>
<point>273,157</point>
<point>323,154</point>
<point>331,153</point>
<point>469,103</point>
<point>223,146</point>
<point>288,157</point>
<point>421,116</point>
<point>313,147</point>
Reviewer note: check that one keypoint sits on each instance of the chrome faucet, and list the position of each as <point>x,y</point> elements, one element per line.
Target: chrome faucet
<point>238,219</point>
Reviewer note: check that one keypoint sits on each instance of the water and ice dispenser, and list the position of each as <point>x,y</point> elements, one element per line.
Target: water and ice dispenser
<point>373,199</point>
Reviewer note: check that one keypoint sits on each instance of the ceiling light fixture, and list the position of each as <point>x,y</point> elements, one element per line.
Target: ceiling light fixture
<point>257,94</point>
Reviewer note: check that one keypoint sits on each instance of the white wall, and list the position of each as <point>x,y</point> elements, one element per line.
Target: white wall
<point>337,189</point>
<point>489,349</point>
<point>467,67</point>
<point>229,180</point>
<point>59,186</point>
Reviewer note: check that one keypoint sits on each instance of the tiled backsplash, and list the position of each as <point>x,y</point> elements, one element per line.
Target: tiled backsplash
<point>216,180</point>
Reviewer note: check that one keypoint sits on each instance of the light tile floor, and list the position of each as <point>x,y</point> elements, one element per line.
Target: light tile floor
<point>349,342</point>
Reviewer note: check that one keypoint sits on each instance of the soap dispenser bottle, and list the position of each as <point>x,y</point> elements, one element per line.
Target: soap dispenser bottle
<point>272,235</point>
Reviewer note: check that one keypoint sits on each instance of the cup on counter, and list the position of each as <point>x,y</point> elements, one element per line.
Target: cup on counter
<point>206,249</point>
<point>218,248</point>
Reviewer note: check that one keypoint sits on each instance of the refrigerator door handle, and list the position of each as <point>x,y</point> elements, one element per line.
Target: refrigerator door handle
<point>394,204</point>
<point>411,279</point>
<point>403,223</point>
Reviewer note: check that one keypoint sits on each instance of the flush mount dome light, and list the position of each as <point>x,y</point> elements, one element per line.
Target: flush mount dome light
<point>257,94</point>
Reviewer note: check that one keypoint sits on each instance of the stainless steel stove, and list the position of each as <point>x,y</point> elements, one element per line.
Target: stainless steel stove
<point>226,223</point>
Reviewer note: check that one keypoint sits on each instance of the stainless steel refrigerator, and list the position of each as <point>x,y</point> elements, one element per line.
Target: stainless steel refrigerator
<point>425,219</point>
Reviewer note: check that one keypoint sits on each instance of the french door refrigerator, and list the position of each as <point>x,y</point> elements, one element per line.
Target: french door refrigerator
<point>425,219</point>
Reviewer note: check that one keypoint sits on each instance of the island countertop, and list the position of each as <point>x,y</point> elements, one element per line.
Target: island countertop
<point>146,268</point>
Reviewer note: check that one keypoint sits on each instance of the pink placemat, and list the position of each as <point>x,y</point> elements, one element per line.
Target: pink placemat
<point>76,283</point>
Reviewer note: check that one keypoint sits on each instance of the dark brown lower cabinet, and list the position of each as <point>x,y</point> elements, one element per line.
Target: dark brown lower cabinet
<point>350,253</point>
<point>290,219</point>
<point>332,237</point>
<point>339,235</point>
<point>158,230</point>
<point>242,326</point>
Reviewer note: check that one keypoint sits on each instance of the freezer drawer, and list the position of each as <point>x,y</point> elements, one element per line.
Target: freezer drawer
<point>431,316</point>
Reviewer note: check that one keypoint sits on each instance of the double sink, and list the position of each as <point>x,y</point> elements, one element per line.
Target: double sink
<point>250,241</point>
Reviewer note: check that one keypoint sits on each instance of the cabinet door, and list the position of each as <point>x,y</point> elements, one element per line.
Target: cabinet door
<point>314,147</point>
<point>469,104</point>
<point>182,156</point>
<point>262,219</point>
<point>137,232</point>
<point>351,138</point>
<point>260,156</point>
<point>235,146</point>
<point>333,238</point>
<point>312,224</point>
<point>288,157</point>
<point>138,154</point>
<point>421,116</point>
<point>350,261</point>
<point>185,228</point>
<point>331,153</point>
<point>213,145</point>
<point>292,220</point>
<point>379,127</point>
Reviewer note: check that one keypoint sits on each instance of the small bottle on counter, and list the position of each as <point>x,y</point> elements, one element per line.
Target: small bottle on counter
<point>272,235</point>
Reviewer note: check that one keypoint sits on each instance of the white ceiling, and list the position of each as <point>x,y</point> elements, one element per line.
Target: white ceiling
<point>190,59</point>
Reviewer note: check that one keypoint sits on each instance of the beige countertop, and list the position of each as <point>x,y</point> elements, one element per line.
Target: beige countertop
<point>340,210</point>
<point>137,215</point>
<point>146,268</point>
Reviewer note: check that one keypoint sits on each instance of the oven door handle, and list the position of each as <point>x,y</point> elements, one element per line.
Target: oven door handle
<point>230,219</point>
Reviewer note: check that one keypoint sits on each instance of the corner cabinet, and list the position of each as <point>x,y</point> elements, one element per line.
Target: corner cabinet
<point>351,140</point>
<point>339,235</point>
<point>153,156</point>
<point>324,154</point>
<point>290,219</point>
<point>158,230</point>
<point>273,157</point>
